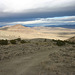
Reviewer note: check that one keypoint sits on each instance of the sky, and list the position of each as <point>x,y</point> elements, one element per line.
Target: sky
<point>37,12</point>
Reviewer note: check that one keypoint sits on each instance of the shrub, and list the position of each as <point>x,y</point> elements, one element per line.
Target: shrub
<point>37,43</point>
<point>45,40</point>
<point>13,41</point>
<point>69,42</point>
<point>18,39</point>
<point>59,42</point>
<point>23,41</point>
<point>3,42</point>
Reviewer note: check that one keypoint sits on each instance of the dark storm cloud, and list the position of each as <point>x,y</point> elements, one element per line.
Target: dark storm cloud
<point>32,15</point>
<point>38,13</point>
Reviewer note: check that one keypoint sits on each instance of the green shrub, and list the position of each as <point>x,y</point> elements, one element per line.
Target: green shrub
<point>59,42</point>
<point>37,43</point>
<point>45,40</point>
<point>23,41</point>
<point>13,41</point>
<point>18,39</point>
<point>54,40</point>
<point>3,42</point>
<point>69,42</point>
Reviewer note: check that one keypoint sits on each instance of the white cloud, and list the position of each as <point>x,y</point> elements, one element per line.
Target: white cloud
<point>28,22</point>
<point>22,5</point>
<point>48,21</point>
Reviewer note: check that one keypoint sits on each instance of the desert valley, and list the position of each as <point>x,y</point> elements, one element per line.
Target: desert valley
<point>19,31</point>
<point>37,50</point>
<point>37,37</point>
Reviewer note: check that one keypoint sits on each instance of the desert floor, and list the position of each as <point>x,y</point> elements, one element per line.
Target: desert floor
<point>37,58</point>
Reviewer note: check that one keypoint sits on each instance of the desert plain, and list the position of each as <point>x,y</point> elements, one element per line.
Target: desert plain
<point>17,31</point>
<point>39,54</point>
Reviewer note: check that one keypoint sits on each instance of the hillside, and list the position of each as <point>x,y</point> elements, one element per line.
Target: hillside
<point>21,28</point>
<point>5,27</point>
<point>72,39</point>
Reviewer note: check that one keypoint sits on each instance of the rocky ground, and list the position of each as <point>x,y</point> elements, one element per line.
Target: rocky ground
<point>37,57</point>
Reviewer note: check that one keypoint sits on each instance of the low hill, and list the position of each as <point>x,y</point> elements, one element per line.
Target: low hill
<point>72,39</point>
<point>5,27</point>
<point>21,28</point>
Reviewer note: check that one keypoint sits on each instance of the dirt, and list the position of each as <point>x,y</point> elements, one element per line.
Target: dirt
<point>37,57</point>
<point>22,65</point>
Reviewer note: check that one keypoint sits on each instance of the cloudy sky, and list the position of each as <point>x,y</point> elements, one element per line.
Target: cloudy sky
<point>37,12</point>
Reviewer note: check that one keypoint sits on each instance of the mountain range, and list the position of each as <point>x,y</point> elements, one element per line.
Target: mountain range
<point>64,26</point>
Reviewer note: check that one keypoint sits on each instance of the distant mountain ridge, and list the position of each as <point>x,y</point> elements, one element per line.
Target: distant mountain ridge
<point>64,26</point>
<point>4,27</point>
